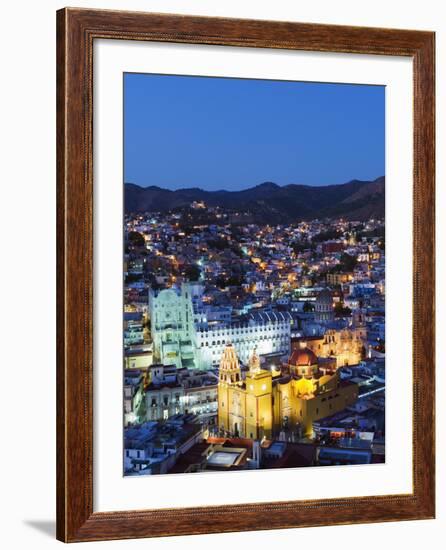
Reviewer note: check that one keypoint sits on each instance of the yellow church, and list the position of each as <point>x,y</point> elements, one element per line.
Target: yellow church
<point>268,402</point>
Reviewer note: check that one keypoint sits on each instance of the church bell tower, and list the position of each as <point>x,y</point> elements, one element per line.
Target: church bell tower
<point>229,372</point>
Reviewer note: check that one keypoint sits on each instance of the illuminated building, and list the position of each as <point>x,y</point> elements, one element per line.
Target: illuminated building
<point>139,357</point>
<point>167,391</point>
<point>339,278</point>
<point>172,325</point>
<point>268,331</point>
<point>266,403</point>
<point>347,345</point>
<point>133,333</point>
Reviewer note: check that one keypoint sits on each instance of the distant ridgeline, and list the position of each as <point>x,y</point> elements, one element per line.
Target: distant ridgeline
<point>269,202</point>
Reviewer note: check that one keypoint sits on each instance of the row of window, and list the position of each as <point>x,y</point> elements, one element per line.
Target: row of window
<point>192,399</point>
<point>259,328</point>
<point>241,342</point>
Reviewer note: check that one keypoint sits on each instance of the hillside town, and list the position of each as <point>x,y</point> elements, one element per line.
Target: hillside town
<point>252,346</point>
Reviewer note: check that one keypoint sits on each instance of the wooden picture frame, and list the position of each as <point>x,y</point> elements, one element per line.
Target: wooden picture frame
<point>76,31</point>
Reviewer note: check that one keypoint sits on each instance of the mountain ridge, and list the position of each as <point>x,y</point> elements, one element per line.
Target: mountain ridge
<point>270,202</point>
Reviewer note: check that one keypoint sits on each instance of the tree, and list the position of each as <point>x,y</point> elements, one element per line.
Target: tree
<point>327,235</point>
<point>192,272</point>
<point>141,410</point>
<point>341,310</point>
<point>348,262</point>
<point>300,246</point>
<point>218,244</point>
<point>136,239</point>
<point>132,278</point>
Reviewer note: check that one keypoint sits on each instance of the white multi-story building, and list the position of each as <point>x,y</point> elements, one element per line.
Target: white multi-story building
<point>267,331</point>
<point>133,333</point>
<point>172,391</point>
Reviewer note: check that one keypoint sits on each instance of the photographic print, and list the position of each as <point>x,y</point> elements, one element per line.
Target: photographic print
<point>253,274</point>
<point>227,190</point>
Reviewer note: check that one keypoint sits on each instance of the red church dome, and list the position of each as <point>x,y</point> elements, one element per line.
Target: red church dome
<point>303,357</point>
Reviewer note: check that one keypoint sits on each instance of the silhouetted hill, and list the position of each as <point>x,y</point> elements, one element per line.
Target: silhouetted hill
<point>269,202</point>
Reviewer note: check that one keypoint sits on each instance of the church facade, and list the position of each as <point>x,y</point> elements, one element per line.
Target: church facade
<point>172,326</point>
<point>346,345</point>
<point>268,402</point>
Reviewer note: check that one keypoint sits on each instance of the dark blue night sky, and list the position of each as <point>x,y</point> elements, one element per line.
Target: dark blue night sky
<point>224,133</point>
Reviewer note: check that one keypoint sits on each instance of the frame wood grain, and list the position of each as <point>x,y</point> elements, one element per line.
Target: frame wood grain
<point>76,31</point>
